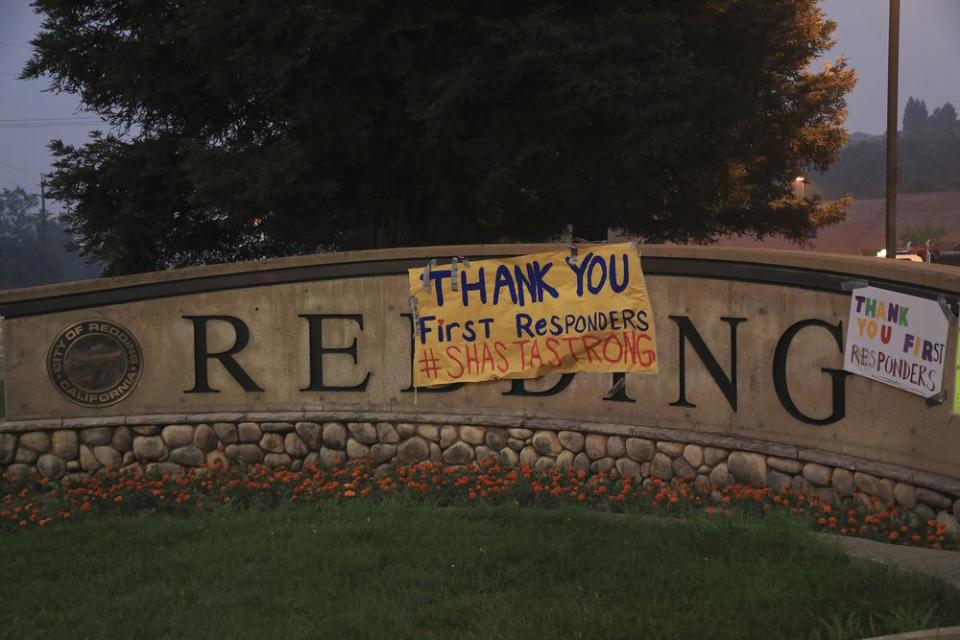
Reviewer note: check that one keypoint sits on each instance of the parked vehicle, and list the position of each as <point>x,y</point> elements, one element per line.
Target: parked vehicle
<point>947,257</point>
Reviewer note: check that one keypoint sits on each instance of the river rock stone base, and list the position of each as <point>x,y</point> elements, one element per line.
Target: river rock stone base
<point>173,448</point>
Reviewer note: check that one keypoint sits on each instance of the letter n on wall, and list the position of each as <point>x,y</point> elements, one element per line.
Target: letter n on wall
<point>726,383</point>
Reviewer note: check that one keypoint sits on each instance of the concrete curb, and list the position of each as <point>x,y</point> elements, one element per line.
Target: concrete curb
<point>941,633</point>
<point>936,563</point>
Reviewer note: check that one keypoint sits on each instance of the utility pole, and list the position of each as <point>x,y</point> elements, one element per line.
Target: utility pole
<point>43,228</point>
<point>893,67</point>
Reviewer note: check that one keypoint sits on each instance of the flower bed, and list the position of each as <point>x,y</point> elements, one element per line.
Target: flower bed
<point>45,502</point>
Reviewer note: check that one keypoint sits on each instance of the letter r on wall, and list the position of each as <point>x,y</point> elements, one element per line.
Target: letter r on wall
<point>202,356</point>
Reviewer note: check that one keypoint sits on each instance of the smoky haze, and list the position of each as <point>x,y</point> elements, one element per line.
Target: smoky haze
<point>928,70</point>
<point>23,145</point>
<point>929,54</point>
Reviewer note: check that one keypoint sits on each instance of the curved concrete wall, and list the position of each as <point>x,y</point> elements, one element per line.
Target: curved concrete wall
<point>750,347</point>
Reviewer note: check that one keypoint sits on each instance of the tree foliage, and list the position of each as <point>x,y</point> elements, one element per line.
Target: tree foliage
<point>915,116</point>
<point>917,235</point>
<point>944,117</point>
<point>34,251</point>
<point>253,129</point>
<point>928,155</point>
<point>917,121</point>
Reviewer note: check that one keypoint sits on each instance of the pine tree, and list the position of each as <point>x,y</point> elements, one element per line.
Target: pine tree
<point>269,128</point>
<point>914,117</point>
<point>944,117</point>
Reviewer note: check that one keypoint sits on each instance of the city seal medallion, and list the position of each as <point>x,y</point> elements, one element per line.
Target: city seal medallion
<point>95,363</point>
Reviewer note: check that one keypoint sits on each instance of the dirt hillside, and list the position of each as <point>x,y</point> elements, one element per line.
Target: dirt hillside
<point>863,231</point>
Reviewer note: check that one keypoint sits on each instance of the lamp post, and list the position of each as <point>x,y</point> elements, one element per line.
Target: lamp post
<point>893,64</point>
<point>798,185</point>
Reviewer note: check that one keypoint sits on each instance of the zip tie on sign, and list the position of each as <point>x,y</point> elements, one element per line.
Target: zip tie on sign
<point>850,285</point>
<point>415,319</point>
<point>621,383</point>
<point>454,274</point>
<point>426,273</point>
<point>635,245</point>
<point>415,316</point>
<point>580,240</point>
<point>572,258</point>
<point>946,308</point>
<point>933,401</point>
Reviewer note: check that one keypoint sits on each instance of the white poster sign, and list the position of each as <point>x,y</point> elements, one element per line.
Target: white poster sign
<point>897,339</point>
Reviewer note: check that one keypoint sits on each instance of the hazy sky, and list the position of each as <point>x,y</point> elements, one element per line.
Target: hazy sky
<point>930,54</point>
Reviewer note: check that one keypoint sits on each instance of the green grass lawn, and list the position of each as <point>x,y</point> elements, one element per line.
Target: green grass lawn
<point>415,571</point>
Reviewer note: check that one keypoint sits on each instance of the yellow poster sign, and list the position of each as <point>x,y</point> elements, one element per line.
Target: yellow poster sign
<point>526,316</point>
